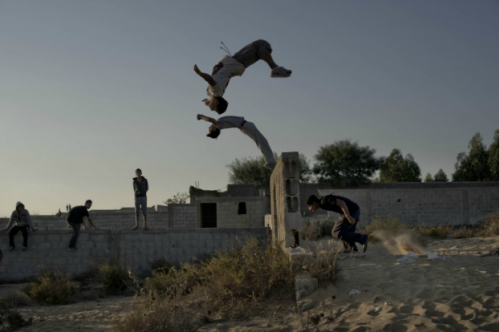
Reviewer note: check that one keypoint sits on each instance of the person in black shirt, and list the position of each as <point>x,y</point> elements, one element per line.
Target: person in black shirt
<point>141,187</point>
<point>345,226</point>
<point>75,220</point>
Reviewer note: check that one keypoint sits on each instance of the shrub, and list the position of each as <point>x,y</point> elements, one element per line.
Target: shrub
<point>314,229</point>
<point>387,225</point>
<point>489,226</point>
<point>437,232</point>
<point>15,299</point>
<point>324,266</point>
<point>52,288</point>
<point>11,319</point>
<point>157,315</point>
<point>464,232</point>
<point>161,265</point>
<point>113,275</point>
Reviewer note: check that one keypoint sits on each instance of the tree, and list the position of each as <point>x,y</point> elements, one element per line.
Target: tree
<point>428,178</point>
<point>345,163</point>
<point>473,166</point>
<point>179,198</point>
<point>252,171</point>
<point>493,157</point>
<point>395,168</point>
<point>440,176</point>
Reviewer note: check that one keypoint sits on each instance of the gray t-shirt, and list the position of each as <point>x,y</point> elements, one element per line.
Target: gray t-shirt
<point>230,122</point>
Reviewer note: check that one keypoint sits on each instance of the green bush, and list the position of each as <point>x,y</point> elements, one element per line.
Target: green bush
<point>113,275</point>
<point>52,288</point>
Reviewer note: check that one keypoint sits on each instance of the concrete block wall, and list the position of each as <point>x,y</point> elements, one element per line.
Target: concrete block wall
<point>285,199</point>
<point>136,249</point>
<point>182,216</point>
<point>425,203</point>
<point>227,211</point>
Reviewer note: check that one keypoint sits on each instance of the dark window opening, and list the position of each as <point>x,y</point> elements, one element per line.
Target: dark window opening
<point>208,215</point>
<point>242,208</point>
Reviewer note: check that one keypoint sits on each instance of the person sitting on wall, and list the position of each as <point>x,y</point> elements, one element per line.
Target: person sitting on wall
<point>75,220</point>
<point>21,217</point>
<point>235,65</point>
<point>345,226</point>
<point>247,128</point>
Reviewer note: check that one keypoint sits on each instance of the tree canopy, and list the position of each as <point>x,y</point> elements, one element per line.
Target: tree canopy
<point>397,168</point>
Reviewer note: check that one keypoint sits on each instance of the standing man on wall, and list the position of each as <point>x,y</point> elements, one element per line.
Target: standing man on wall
<point>345,226</point>
<point>75,220</point>
<point>141,187</point>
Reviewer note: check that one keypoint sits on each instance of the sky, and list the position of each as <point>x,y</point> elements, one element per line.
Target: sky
<point>92,90</point>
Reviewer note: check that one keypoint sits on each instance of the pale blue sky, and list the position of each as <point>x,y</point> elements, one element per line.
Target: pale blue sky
<point>91,90</point>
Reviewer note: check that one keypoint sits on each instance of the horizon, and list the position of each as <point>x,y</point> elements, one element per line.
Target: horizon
<point>93,90</point>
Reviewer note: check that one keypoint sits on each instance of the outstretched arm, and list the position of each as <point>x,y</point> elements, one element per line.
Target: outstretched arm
<point>209,79</point>
<point>206,118</point>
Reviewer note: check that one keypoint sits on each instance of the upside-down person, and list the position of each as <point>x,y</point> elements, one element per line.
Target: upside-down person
<point>247,128</point>
<point>235,65</point>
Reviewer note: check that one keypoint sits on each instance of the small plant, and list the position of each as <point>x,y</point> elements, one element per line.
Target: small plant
<point>388,225</point>
<point>15,299</point>
<point>52,288</point>
<point>11,319</point>
<point>310,231</point>
<point>489,226</point>
<point>324,266</point>
<point>437,232</point>
<point>158,315</point>
<point>161,265</point>
<point>464,232</point>
<point>113,275</point>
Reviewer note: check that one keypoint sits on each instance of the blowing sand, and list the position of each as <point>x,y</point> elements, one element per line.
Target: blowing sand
<point>457,293</point>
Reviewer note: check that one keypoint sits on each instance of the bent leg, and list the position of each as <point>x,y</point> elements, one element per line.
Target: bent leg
<point>253,52</point>
<point>12,233</point>
<point>24,231</point>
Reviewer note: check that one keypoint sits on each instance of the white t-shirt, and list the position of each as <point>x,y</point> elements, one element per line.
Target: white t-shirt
<point>230,68</point>
<point>226,122</point>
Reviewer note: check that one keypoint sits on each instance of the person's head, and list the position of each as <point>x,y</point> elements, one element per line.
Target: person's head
<point>88,204</point>
<point>138,172</point>
<point>19,207</point>
<point>213,132</point>
<point>312,203</point>
<point>216,104</point>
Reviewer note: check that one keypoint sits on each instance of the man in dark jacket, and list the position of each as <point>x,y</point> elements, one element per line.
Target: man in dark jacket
<point>22,220</point>
<point>345,226</point>
<point>75,220</point>
<point>141,187</point>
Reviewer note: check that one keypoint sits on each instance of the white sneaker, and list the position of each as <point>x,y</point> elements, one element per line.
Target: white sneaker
<point>280,72</point>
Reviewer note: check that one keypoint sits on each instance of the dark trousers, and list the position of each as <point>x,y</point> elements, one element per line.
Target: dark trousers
<point>346,231</point>
<point>13,232</point>
<point>76,231</point>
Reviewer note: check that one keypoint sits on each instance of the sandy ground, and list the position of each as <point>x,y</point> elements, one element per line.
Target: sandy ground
<point>456,293</point>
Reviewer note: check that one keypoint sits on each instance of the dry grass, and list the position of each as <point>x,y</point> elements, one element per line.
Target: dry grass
<point>437,232</point>
<point>489,226</point>
<point>387,225</point>
<point>231,284</point>
<point>114,276</point>
<point>15,299</point>
<point>52,288</point>
<point>11,319</point>
<point>324,266</point>
<point>314,229</point>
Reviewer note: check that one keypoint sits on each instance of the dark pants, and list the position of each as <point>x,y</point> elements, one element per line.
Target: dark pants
<point>346,231</point>
<point>76,231</point>
<point>13,232</point>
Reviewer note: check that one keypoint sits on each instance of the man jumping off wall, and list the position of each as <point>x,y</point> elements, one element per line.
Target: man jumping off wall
<point>345,226</point>
<point>247,128</point>
<point>235,65</point>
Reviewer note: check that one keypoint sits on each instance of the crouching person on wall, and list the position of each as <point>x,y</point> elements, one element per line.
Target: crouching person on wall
<point>75,220</point>
<point>22,219</point>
